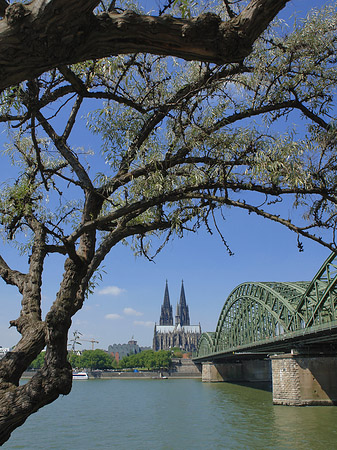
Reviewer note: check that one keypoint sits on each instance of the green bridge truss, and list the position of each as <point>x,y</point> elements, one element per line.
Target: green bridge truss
<point>257,314</point>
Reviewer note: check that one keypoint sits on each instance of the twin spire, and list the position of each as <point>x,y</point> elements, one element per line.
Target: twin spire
<point>166,317</point>
<point>182,316</point>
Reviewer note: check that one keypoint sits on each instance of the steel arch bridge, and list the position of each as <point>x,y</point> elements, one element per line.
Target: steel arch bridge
<point>275,316</point>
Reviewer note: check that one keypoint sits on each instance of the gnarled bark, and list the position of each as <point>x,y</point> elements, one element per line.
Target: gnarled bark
<point>47,33</point>
<point>17,403</point>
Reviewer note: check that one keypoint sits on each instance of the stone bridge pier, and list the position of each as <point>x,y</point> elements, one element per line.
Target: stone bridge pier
<point>247,371</point>
<point>302,380</point>
<point>296,380</point>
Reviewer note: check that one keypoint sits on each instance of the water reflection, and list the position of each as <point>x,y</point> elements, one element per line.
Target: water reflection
<point>174,415</point>
<point>252,422</point>
<point>311,427</point>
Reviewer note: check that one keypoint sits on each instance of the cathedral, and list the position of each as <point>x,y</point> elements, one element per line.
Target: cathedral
<point>181,334</point>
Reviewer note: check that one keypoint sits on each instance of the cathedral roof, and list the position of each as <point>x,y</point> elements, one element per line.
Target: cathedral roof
<point>173,328</point>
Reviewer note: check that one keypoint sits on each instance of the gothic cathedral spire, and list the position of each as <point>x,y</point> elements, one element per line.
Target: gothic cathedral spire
<point>166,317</point>
<point>182,314</point>
<point>183,334</point>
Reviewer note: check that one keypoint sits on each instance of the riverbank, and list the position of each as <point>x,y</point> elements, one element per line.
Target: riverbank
<point>181,368</point>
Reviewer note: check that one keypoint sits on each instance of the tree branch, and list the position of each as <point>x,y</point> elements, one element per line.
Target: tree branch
<point>36,37</point>
<point>122,231</point>
<point>260,212</point>
<point>183,94</point>
<point>10,276</point>
<point>66,152</point>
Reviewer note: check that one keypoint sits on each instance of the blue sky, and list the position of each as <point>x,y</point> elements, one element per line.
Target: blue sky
<point>127,302</point>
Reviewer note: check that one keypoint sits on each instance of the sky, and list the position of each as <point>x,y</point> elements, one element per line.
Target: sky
<point>127,302</point>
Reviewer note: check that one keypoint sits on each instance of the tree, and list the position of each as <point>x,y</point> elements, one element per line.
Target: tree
<point>96,359</point>
<point>164,359</point>
<point>182,141</point>
<point>74,360</point>
<point>147,359</point>
<point>176,352</point>
<point>38,362</point>
<point>35,37</point>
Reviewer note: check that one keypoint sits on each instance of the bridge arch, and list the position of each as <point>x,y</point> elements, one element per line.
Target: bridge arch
<point>319,302</point>
<point>258,311</point>
<point>206,344</point>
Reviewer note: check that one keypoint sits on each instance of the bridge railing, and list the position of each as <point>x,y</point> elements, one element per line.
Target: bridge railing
<point>256,312</point>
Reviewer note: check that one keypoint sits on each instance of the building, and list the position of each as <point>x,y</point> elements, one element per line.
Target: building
<point>3,351</point>
<point>180,334</point>
<point>121,350</point>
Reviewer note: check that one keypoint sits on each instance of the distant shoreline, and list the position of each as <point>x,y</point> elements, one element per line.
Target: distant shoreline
<point>106,375</point>
<point>181,369</point>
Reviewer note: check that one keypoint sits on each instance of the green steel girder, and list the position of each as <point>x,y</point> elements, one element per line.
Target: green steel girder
<point>258,311</point>
<point>318,303</point>
<point>206,344</point>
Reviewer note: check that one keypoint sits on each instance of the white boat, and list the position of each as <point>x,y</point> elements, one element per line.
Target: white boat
<point>161,377</point>
<point>80,376</point>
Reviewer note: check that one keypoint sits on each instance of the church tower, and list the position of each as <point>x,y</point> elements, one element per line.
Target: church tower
<point>166,317</point>
<point>182,314</point>
<point>181,334</point>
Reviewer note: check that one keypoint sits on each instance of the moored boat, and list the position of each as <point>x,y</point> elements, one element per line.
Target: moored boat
<point>80,376</point>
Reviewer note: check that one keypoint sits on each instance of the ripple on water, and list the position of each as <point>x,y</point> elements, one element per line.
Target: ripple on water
<point>174,415</point>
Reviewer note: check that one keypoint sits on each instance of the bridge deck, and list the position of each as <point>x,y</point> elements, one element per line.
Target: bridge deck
<point>276,317</point>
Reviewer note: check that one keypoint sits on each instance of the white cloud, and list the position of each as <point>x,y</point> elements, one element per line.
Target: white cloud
<point>144,323</point>
<point>112,316</point>
<point>111,290</point>
<point>132,312</point>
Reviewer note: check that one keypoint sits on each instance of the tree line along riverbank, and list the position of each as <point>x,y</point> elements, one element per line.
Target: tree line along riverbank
<point>179,368</point>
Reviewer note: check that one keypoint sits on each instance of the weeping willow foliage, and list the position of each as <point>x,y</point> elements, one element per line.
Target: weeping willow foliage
<point>177,140</point>
<point>137,149</point>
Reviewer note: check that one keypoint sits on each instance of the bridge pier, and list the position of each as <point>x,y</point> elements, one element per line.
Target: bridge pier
<point>246,371</point>
<point>302,380</point>
<point>211,373</point>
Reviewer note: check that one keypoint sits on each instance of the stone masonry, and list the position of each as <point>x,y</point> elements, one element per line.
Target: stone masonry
<point>304,380</point>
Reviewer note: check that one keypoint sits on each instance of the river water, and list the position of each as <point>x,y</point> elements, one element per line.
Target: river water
<point>174,414</point>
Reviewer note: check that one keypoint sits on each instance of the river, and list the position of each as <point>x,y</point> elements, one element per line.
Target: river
<point>174,414</point>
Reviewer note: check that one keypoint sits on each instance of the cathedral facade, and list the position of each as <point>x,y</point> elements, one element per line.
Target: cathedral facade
<point>179,334</point>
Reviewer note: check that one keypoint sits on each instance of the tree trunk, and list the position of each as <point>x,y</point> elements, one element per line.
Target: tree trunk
<point>44,34</point>
<point>17,403</point>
